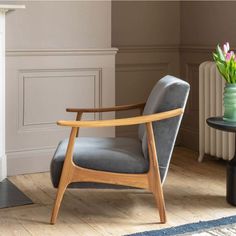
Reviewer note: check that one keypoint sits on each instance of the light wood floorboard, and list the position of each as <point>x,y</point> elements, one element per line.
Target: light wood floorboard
<point>193,191</point>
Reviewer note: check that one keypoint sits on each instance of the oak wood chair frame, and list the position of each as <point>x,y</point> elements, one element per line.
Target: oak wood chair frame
<point>74,173</point>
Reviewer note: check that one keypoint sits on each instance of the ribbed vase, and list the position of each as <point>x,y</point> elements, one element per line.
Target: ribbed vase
<point>230,103</point>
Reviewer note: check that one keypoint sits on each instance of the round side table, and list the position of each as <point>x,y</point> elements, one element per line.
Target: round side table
<point>219,123</point>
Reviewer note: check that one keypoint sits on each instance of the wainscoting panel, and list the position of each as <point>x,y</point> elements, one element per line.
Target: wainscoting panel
<point>190,59</point>
<point>139,79</point>
<point>40,91</point>
<point>40,86</point>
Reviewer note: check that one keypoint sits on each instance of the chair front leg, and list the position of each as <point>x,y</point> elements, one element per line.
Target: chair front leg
<point>154,178</point>
<point>66,176</point>
<point>60,193</point>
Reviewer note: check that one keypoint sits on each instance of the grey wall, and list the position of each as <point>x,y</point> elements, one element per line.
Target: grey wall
<point>204,24</point>
<point>147,34</point>
<point>157,38</point>
<point>145,23</point>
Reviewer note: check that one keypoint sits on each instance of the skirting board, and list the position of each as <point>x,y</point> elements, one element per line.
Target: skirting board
<point>3,168</point>
<point>189,138</point>
<point>29,162</point>
<point>38,160</point>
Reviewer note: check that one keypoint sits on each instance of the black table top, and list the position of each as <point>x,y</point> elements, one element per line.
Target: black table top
<point>218,123</point>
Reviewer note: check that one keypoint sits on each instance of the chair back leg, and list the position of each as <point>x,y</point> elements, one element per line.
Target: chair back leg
<point>154,178</point>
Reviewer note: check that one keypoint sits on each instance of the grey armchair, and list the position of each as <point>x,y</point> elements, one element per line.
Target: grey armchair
<point>140,163</point>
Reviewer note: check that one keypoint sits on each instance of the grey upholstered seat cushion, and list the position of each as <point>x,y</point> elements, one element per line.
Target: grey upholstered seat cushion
<point>121,155</point>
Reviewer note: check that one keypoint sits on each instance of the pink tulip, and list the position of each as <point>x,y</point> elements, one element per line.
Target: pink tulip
<point>226,47</point>
<point>228,56</point>
<point>227,44</point>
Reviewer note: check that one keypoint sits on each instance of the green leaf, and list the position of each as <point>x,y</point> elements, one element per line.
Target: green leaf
<point>215,57</point>
<point>220,53</point>
<point>222,67</point>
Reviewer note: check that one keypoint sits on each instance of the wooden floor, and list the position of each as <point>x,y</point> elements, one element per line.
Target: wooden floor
<point>193,191</point>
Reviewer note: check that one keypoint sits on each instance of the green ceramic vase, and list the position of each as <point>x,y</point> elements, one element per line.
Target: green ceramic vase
<point>230,102</point>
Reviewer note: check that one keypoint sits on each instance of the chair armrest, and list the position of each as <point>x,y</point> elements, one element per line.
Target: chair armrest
<point>125,121</point>
<point>107,109</point>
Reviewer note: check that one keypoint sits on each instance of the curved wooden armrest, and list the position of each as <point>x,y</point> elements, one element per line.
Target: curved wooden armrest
<point>107,109</point>
<point>125,121</point>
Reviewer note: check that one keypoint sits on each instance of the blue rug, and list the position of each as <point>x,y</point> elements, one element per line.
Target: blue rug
<point>226,225</point>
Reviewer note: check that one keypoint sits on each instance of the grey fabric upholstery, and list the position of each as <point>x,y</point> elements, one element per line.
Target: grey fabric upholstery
<point>126,155</point>
<point>121,155</point>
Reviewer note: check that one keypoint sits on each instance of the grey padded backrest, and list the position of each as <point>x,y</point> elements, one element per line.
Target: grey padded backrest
<point>168,93</point>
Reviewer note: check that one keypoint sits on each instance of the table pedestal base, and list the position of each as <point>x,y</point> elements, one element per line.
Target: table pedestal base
<point>231,183</point>
<point>219,123</point>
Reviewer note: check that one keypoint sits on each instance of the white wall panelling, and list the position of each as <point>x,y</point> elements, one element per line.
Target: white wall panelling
<point>3,159</point>
<point>2,96</point>
<point>58,55</point>
<point>40,85</point>
<point>40,91</point>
